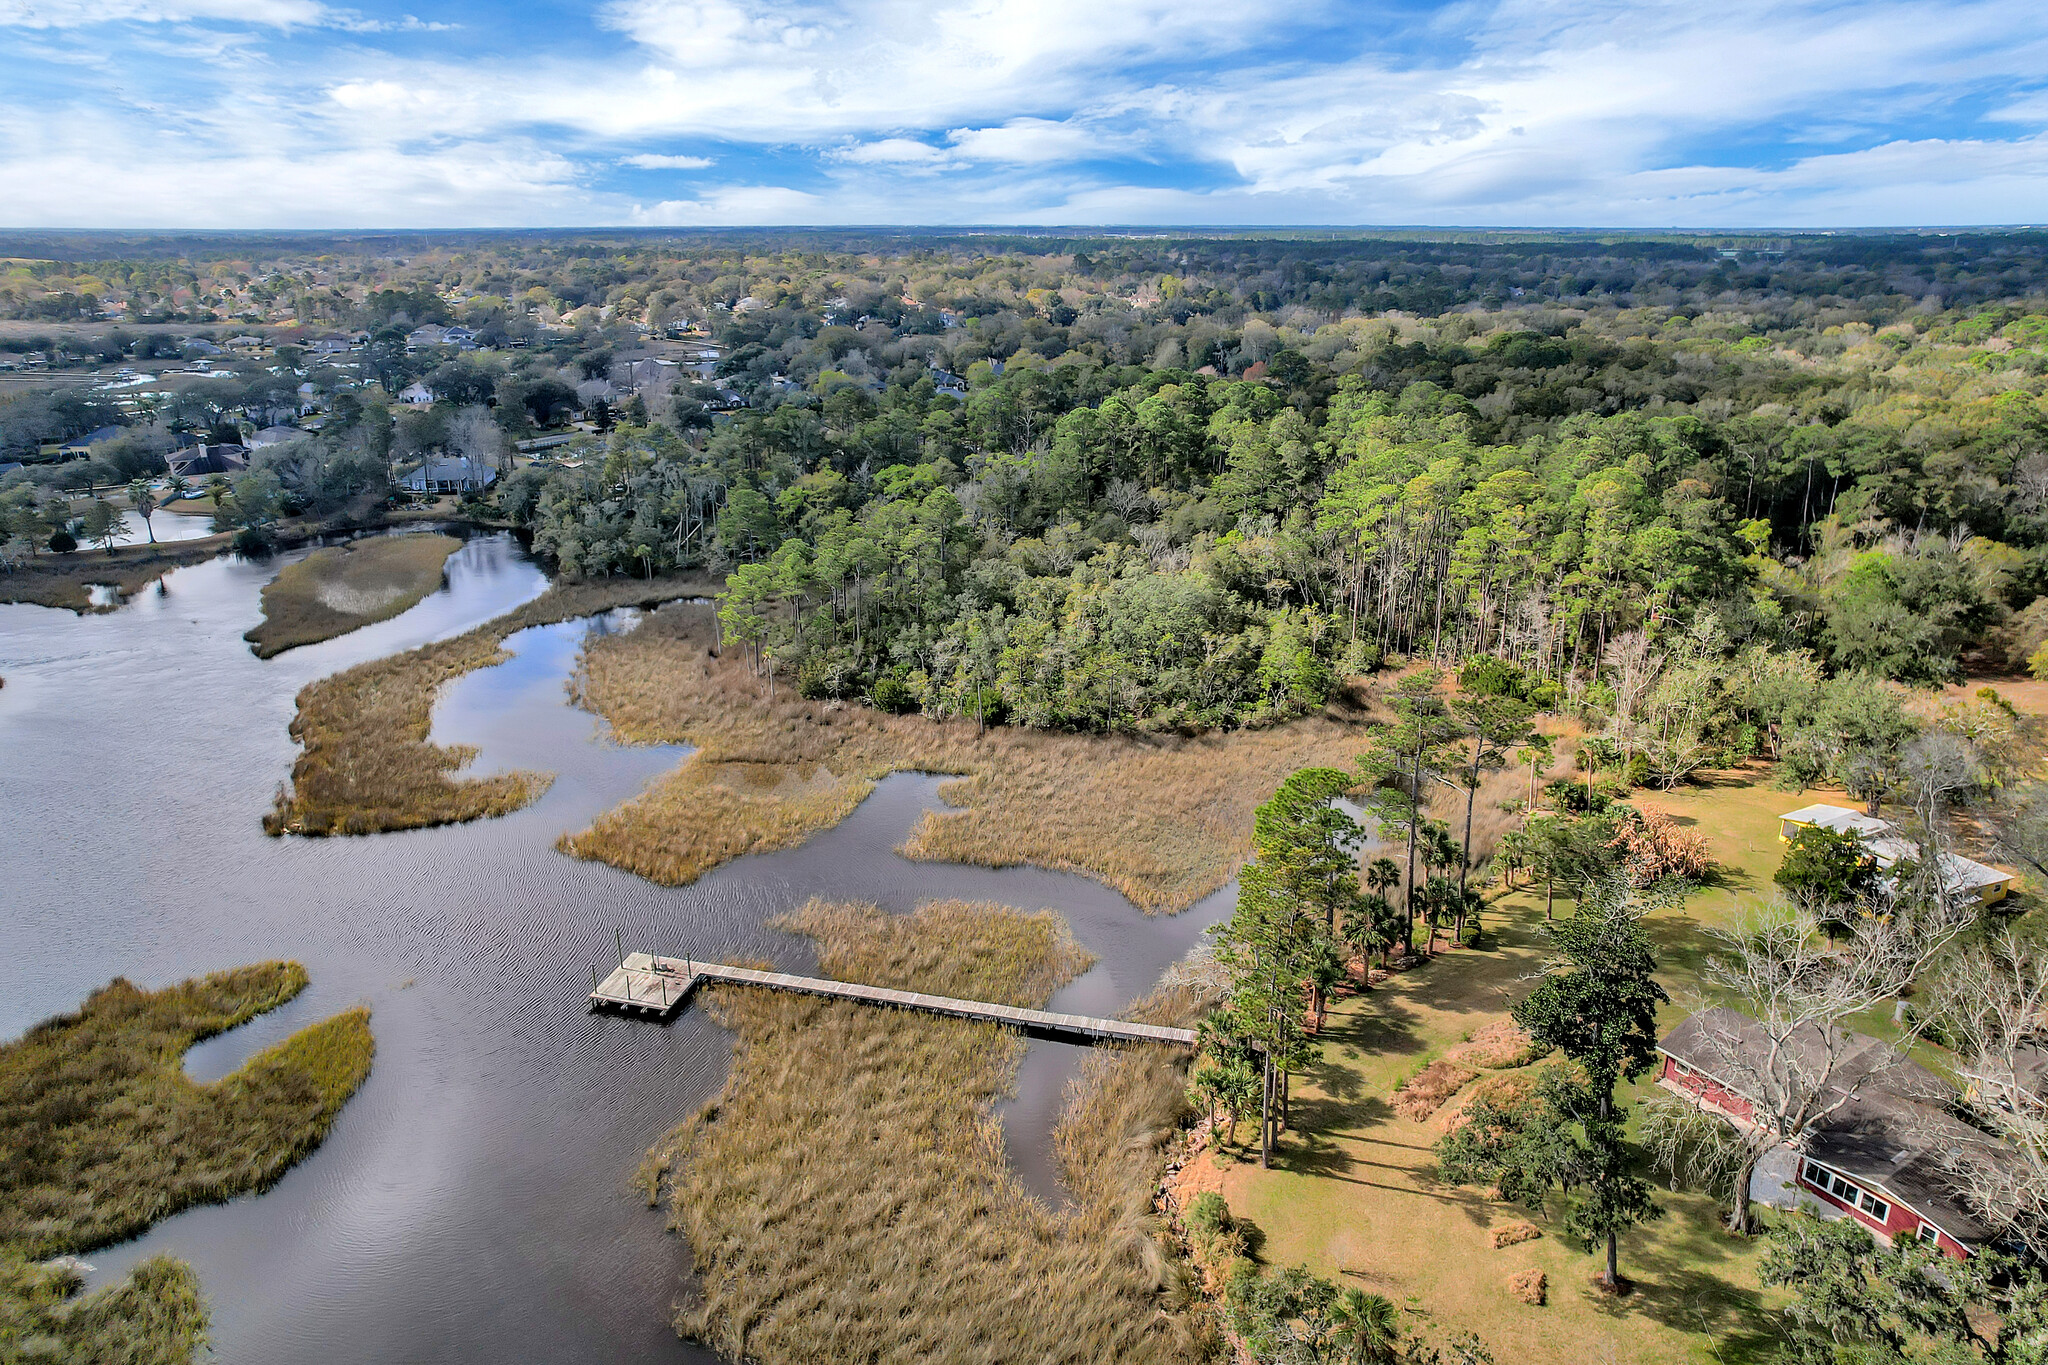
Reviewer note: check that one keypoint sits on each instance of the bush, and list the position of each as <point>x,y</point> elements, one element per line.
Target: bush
<point>1493,677</point>
<point>253,542</point>
<point>1425,1092</point>
<point>1515,1233</point>
<point>1653,846</point>
<point>828,674</point>
<point>62,541</point>
<point>1209,1214</point>
<point>894,695</point>
<point>1824,867</point>
<point>1574,799</point>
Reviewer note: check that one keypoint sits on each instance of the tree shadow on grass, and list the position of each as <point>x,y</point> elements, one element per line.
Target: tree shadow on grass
<point>1389,1027</point>
<point>1685,1286</point>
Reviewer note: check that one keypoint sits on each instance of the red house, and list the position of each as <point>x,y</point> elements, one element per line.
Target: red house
<point>1878,1158</point>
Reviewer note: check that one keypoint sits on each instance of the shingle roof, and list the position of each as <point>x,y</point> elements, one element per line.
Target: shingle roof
<point>1894,1134</point>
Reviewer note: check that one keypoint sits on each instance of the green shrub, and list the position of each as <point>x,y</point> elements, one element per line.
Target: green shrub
<point>1209,1214</point>
<point>893,694</point>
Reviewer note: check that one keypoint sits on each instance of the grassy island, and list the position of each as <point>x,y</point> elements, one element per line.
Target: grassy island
<point>103,1134</point>
<point>368,765</point>
<point>847,1197</point>
<point>341,588</point>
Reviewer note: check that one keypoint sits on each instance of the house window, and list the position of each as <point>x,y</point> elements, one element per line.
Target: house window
<point>1816,1177</point>
<point>1929,1233</point>
<point>1843,1189</point>
<point>1875,1207</point>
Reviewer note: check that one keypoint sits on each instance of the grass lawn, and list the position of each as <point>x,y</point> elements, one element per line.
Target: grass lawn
<point>1354,1194</point>
<point>1355,1197</point>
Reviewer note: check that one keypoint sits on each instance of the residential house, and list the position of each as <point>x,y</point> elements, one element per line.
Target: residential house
<point>1964,878</point>
<point>274,436</point>
<point>84,444</point>
<point>202,461</point>
<point>450,475</point>
<point>1881,1158</point>
<point>416,394</point>
<point>433,334</point>
<point>319,347</point>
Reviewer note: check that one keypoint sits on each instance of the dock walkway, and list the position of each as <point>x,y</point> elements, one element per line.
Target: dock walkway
<point>659,986</point>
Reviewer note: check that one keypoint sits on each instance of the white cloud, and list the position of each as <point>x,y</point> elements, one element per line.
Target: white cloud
<point>1030,142</point>
<point>893,151</point>
<point>1579,111</point>
<point>82,13</point>
<point>766,205</point>
<point>648,161</point>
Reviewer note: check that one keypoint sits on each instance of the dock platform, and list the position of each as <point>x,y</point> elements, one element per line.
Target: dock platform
<point>657,987</point>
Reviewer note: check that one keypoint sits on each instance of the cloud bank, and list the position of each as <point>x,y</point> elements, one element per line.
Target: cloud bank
<point>1518,112</point>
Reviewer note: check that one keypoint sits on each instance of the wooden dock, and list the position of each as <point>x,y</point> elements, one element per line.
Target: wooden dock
<point>656,987</point>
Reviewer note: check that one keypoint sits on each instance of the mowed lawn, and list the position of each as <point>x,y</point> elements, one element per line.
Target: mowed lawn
<point>1354,1195</point>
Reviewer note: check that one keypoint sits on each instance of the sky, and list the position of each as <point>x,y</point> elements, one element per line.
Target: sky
<point>1586,113</point>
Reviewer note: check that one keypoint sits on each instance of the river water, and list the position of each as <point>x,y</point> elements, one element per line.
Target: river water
<point>473,1200</point>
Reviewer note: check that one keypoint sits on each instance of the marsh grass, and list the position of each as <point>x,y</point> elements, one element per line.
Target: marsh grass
<point>368,765</point>
<point>154,1317</point>
<point>1163,819</point>
<point>340,588</point>
<point>847,1197</point>
<point>66,581</point>
<point>103,1134</point>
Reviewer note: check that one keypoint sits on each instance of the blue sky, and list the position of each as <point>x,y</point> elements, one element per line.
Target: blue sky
<point>447,113</point>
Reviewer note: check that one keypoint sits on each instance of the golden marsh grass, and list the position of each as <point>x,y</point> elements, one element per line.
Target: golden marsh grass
<point>1163,819</point>
<point>368,764</point>
<point>847,1197</point>
<point>102,1133</point>
<point>340,588</point>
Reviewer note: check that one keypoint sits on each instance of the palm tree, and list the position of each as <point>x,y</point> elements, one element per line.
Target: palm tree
<point>144,502</point>
<point>1368,929</point>
<point>1368,1328</point>
<point>1536,756</point>
<point>1511,852</point>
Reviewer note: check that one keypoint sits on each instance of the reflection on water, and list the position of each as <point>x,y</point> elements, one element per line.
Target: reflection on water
<point>169,527</point>
<point>472,1201</point>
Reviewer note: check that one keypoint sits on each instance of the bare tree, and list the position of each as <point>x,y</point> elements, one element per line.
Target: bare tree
<point>1989,1001</point>
<point>1935,770</point>
<point>475,438</point>
<point>1790,1053</point>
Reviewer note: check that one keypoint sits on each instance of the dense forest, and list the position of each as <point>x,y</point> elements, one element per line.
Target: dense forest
<point>1162,483</point>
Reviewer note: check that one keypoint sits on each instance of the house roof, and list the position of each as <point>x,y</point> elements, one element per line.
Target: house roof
<point>1888,848</point>
<point>478,472</point>
<point>92,438</point>
<point>1840,819</point>
<point>1893,1133</point>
